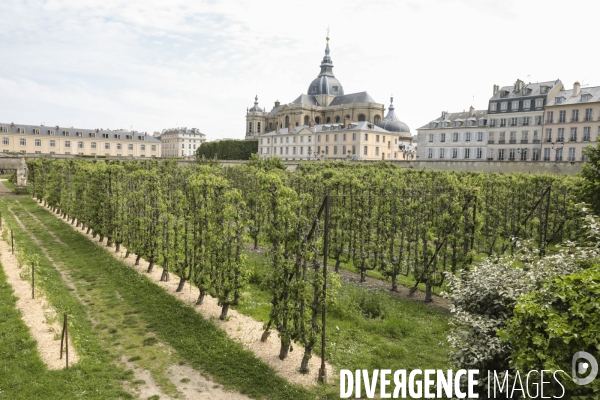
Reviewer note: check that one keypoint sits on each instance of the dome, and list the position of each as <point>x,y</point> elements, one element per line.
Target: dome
<point>326,82</point>
<point>256,108</point>
<point>391,122</point>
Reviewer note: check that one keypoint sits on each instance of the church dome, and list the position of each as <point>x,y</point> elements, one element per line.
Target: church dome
<point>391,122</point>
<point>256,108</point>
<point>326,82</point>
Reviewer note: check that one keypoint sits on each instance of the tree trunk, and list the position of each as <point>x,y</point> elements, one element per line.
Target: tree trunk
<point>117,247</point>
<point>88,230</point>
<point>165,275</point>
<point>151,265</point>
<point>337,266</point>
<point>285,348</point>
<point>265,335</point>
<point>127,254</point>
<point>256,243</point>
<point>363,276</point>
<point>73,221</point>
<point>137,260</point>
<point>181,284</point>
<point>101,238</point>
<point>306,358</point>
<point>428,293</point>
<point>394,283</point>
<point>224,310</point>
<point>200,298</point>
<point>108,241</point>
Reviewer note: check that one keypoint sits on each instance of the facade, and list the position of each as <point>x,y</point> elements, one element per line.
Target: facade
<point>39,139</point>
<point>571,123</point>
<point>454,136</point>
<point>330,123</point>
<point>181,142</point>
<point>516,116</point>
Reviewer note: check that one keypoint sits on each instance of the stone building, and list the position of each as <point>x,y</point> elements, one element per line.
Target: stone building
<point>571,123</point>
<point>181,142</point>
<point>328,122</point>
<point>39,139</point>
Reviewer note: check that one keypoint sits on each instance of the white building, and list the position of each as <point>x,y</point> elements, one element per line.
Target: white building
<point>181,142</point>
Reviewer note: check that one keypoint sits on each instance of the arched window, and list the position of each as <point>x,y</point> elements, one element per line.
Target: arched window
<point>337,119</point>
<point>258,127</point>
<point>346,116</point>
<point>328,120</point>
<point>270,126</point>
<point>317,120</point>
<point>306,120</point>
<point>249,127</point>
<point>297,124</point>
<point>287,121</point>
<point>361,117</point>
<point>377,119</point>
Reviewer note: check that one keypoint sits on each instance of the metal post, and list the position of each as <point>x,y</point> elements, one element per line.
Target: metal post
<point>67,340</point>
<point>322,372</point>
<point>33,280</point>
<point>12,242</point>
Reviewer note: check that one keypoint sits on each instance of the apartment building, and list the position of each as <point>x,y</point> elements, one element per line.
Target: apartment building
<point>40,139</point>
<point>454,136</point>
<point>516,119</point>
<point>181,142</point>
<point>571,123</point>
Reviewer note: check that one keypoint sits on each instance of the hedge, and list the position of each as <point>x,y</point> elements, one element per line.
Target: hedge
<point>228,149</point>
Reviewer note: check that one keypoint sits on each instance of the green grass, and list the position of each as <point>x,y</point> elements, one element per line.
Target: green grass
<point>12,188</point>
<point>197,341</point>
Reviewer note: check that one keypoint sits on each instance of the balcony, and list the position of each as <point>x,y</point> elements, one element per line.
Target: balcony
<point>512,141</point>
<point>586,138</point>
<point>501,141</point>
<point>491,141</point>
<point>549,140</point>
<point>549,121</point>
<point>535,141</point>
<point>524,141</point>
<point>490,158</point>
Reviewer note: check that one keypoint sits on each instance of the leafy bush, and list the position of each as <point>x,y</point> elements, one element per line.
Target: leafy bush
<point>228,149</point>
<point>356,301</point>
<point>550,325</point>
<point>484,299</point>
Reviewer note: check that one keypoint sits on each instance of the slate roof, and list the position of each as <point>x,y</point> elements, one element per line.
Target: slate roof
<point>570,99</point>
<point>363,126</point>
<point>360,97</point>
<point>458,116</point>
<point>72,132</point>
<point>531,90</point>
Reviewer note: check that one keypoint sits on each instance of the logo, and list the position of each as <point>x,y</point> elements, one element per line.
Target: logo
<point>581,367</point>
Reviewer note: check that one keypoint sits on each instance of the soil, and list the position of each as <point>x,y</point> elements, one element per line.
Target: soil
<point>239,327</point>
<point>38,315</point>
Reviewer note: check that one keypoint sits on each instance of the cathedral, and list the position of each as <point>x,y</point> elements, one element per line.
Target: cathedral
<point>327,109</point>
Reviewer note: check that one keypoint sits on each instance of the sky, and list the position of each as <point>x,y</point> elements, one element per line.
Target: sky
<point>150,65</point>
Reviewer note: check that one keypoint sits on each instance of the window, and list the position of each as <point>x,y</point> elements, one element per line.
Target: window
<point>454,153</point>
<point>548,135</point>
<point>52,143</point>
<point>361,117</point>
<point>457,123</point>
<point>377,138</point>
<point>562,116</point>
<point>481,122</point>
<point>536,136</point>
<point>80,134</point>
<point>366,137</point>
<point>479,153</point>
<point>143,147</point>
<point>106,146</point>
<point>585,97</point>
<point>492,123</point>
<point>442,151</point>
<point>80,145</point>
<point>493,107</point>
<point>376,151</point>
<point>515,105</point>
<point>467,153</point>
<point>455,136</point>
<point>431,138</point>
<point>301,152</point>
<point>5,141</point>
<point>318,150</point>
<point>526,104</point>
<point>93,145</point>
<point>586,134</point>
<point>344,150</point>
<point>51,132</point>
<point>502,122</point>
<point>524,136</point>
<point>105,135</point>
<point>588,114</point>
<point>547,154</point>
<point>38,143</point>
<point>318,139</point>
<point>4,129</point>
<point>130,147</point>
<point>258,127</point>
<point>511,154</point>
<point>22,142</point>
<point>538,103</point>
<point>550,117</point>
<point>365,151</point>
<point>66,133</point>
<point>480,136</point>
<point>326,139</point>
<point>559,154</point>
<point>503,106</point>
<point>353,149</point>
<point>523,155</point>
<point>21,130</point>
<point>119,146</point>
<point>36,131</point>
<point>67,143</point>
<point>334,150</point>
<point>513,121</point>
<point>343,137</point>
<point>502,138</point>
<point>561,135</point>
<point>354,136</point>
<point>429,153</point>
<point>558,100</point>
<point>573,137</point>
<point>575,116</point>
<point>500,154</point>
<point>571,156</point>
<point>538,120</point>
<point>513,137</point>
<point>525,121</point>
<point>442,137</point>
<point>535,156</point>
<point>467,136</point>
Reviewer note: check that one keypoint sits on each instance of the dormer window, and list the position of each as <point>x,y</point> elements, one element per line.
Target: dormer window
<point>503,93</point>
<point>21,130</point>
<point>105,135</point>
<point>51,132</point>
<point>481,121</point>
<point>470,123</point>
<point>314,89</point>
<point>79,134</point>
<point>36,131</point>
<point>444,124</point>
<point>515,105</point>
<point>586,97</point>
<point>432,124</point>
<point>457,123</point>
<point>544,89</point>
<point>335,90</point>
<point>559,100</point>
<point>66,133</point>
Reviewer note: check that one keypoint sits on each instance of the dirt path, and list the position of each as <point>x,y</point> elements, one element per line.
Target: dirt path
<point>5,191</point>
<point>239,327</point>
<point>38,314</point>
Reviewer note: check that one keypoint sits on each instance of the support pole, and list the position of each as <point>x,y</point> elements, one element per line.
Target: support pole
<point>12,242</point>
<point>322,372</point>
<point>33,280</point>
<point>545,243</point>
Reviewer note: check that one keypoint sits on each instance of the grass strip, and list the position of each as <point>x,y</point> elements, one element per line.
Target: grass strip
<point>198,341</point>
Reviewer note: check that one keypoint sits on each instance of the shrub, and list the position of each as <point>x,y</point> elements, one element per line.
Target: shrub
<point>550,325</point>
<point>227,149</point>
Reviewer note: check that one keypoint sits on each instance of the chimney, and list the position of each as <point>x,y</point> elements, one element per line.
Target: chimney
<point>443,115</point>
<point>471,111</point>
<point>576,89</point>
<point>496,88</point>
<point>346,122</point>
<point>277,103</point>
